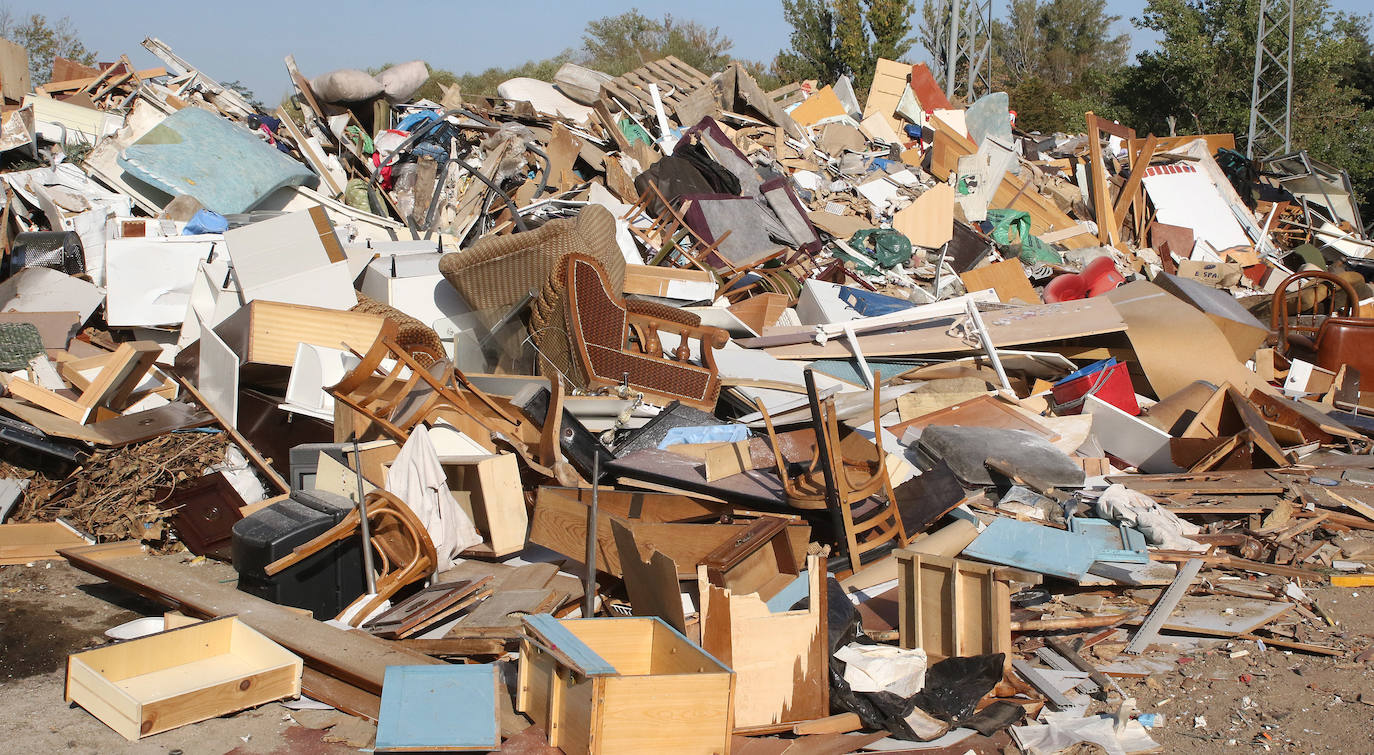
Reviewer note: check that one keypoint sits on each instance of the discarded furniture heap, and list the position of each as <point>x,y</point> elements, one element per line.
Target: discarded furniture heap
<point>729,413</point>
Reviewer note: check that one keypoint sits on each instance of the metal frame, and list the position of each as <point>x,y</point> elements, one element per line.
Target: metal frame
<point>1271,89</point>
<point>969,45</point>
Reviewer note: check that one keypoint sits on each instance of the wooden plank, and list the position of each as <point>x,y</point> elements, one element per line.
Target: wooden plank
<point>356,658</point>
<point>55,87</point>
<point>1107,230</point>
<point>1140,160</point>
<point>499,616</point>
<point>653,584</point>
<point>1007,278</point>
<point>23,542</point>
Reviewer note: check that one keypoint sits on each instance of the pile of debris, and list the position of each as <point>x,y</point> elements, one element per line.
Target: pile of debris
<point>664,409</point>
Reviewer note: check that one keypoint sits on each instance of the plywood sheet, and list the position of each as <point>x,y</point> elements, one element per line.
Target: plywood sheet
<point>929,221</point>
<point>1009,327</point>
<point>1007,278</point>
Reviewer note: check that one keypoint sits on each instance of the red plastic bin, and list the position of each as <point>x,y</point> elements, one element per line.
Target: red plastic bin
<point>1110,384</point>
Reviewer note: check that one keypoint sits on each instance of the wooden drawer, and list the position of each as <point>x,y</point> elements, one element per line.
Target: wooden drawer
<point>181,676</point>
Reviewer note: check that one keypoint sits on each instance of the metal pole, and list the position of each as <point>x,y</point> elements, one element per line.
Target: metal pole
<point>589,598</point>
<point>952,51</point>
<point>364,526</point>
<point>983,336</point>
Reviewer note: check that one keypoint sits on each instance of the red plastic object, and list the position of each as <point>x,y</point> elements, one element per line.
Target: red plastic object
<point>1098,276</point>
<point>1112,385</point>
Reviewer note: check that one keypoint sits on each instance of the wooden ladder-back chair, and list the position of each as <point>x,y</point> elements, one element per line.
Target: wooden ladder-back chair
<point>405,553</point>
<point>856,481</point>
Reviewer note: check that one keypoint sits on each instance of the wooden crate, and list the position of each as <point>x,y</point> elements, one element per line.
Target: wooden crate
<point>950,607</point>
<point>181,676</point>
<point>623,685</point>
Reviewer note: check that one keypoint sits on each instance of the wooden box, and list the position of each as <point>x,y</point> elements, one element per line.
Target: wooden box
<point>623,685</point>
<point>950,607</point>
<point>181,676</point>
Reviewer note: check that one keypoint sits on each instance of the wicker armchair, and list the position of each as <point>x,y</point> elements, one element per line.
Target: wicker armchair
<point>416,338</point>
<point>497,272</point>
<point>600,324</point>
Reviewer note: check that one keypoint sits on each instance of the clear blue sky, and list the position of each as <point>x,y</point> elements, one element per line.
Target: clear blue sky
<point>246,41</point>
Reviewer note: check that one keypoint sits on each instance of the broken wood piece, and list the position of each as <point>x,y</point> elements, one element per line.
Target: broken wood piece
<point>111,388</point>
<point>758,560</point>
<point>779,659</point>
<point>23,542</point>
<point>728,459</point>
<point>840,723</point>
<point>652,584</point>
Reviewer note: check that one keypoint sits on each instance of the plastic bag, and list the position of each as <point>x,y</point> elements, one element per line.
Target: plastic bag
<point>889,248</point>
<point>1012,228</point>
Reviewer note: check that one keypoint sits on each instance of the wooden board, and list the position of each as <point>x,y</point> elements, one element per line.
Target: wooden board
<point>560,524</point>
<point>950,607</point>
<point>21,543</point>
<point>499,616</point>
<point>495,496</point>
<point>355,658</point>
<point>1010,327</point>
<point>981,411</point>
<point>419,712</point>
<point>652,584</point>
<point>929,221</point>
<point>1007,278</point>
<point>779,659</point>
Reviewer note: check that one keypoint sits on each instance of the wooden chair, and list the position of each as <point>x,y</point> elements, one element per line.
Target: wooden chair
<point>601,325</point>
<point>1297,316</point>
<point>404,551</point>
<point>857,482</point>
<point>398,397</point>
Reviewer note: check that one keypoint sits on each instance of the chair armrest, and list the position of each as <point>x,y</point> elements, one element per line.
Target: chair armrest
<point>661,311</point>
<point>647,327</point>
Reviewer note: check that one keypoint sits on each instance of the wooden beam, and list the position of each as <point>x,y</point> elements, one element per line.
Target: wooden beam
<point>1139,162</point>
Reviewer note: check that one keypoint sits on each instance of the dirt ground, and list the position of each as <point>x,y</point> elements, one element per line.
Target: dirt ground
<point>49,610</point>
<point>1289,702</point>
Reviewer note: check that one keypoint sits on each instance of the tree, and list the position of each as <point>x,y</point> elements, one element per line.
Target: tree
<point>834,38</point>
<point>247,94</point>
<point>44,40</point>
<point>618,44</point>
<point>1201,72</point>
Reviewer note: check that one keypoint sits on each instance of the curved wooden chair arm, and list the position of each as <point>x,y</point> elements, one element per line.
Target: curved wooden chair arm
<point>1279,307</point>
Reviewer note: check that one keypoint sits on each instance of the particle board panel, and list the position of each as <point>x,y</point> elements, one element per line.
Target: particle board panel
<point>23,542</point>
<point>1007,278</point>
<point>929,221</point>
<point>1014,326</point>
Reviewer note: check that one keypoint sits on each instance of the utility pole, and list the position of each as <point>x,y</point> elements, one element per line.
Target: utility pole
<point>1271,91</point>
<point>968,48</point>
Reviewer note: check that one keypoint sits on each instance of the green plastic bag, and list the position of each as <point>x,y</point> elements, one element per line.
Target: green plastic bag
<point>1011,228</point>
<point>355,195</point>
<point>890,248</point>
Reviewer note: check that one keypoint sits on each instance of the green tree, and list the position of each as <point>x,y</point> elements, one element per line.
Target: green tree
<point>44,40</point>
<point>1057,59</point>
<point>812,53</point>
<point>622,43</point>
<point>833,38</point>
<point>1201,72</point>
